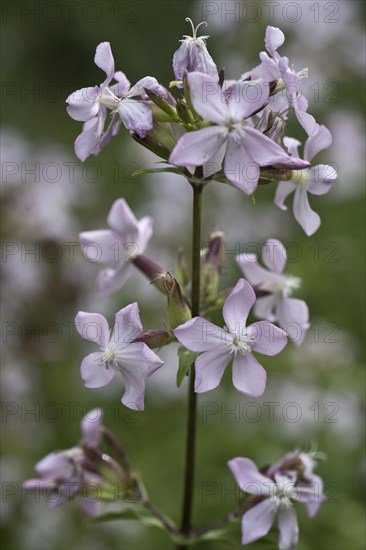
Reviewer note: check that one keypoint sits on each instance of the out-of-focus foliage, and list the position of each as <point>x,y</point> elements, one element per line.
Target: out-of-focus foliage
<point>315,390</point>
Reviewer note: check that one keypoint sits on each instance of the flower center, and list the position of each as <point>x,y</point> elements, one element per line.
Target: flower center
<point>236,130</point>
<point>283,496</point>
<point>241,343</point>
<point>108,99</point>
<point>110,357</point>
<point>283,284</point>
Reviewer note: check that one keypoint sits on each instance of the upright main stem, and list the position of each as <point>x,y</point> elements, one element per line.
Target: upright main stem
<point>192,398</point>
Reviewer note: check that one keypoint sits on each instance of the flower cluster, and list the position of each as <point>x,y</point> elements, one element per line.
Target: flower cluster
<point>233,132</point>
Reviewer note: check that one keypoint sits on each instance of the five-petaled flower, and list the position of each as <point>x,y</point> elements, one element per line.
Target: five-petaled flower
<point>276,496</point>
<point>292,314</point>
<point>127,238</point>
<point>63,474</point>
<point>302,464</point>
<point>119,352</point>
<point>235,342</point>
<point>128,104</point>
<point>317,180</point>
<point>231,138</point>
<point>274,67</point>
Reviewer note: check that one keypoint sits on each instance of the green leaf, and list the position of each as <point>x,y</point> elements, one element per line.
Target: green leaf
<point>134,514</point>
<point>157,171</point>
<point>222,535</point>
<point>186,360</point>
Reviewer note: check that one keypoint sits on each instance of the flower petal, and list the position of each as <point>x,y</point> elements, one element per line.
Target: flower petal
<point>100,246</point>
<point>292,146</point>
<point>238,304</point>
<point>122,86</point>
<point>265,307</point>
<point>317,142</point>
<point>87,142</point>
<point>134,381</point>
<point>257,521</point>
<point>55,465</point>
<point>90,427</point>
<point>319,497</point>
<point>196,148</point>
<point>288,528</point>
<point>240,168</point>
<point>284,189</point>
<point>274,255</point>
<point>249,377</point>
<point>145,229</point>
<point>138,356</point>
<point>192,56</point>
<point>264,150</point>
<point>94,372</point>
<point>135,115</point>
<point>109,280</point>
<point>84,104</point>
<point>197,334</point>
<point>268,339</point>
<point>274,39</point>
<point>207,97</point>
<point>151,362</point>
<point>293,316</point>
<point>127,327</point>
<point>306,217</point>
<point>246,98</point>
<point>148,83</point>
<point>249,478</point>
<point>93,327</point>
<point>104,60</point>
<point>321,180</point>
<point>210,368</point>
<point>255,273</point>
<point>123,221</point>
<point>306,120</point>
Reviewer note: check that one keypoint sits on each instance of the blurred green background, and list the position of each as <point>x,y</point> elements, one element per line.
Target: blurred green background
<point>48,197</point>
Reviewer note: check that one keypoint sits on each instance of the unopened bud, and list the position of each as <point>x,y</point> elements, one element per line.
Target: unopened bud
<point>155,338</point>
<point>181,269</point>
<point>151,270</point>
<point>178,309</point>
<point>161,139</point>
<point>184,113</point>
<point>162,104</point>
<point>211,268</point>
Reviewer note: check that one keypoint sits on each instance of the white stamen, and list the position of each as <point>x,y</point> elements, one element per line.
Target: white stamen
<point>110,357</point>
<point>241,343</point>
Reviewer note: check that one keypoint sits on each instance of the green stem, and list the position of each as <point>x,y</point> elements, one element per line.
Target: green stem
<point>186,523</point>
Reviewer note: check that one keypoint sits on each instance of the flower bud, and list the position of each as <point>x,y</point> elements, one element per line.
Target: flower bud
<point>181,269</point>
<point>178,309</point>
<point>162,138</point>
<point>272,125</point>
<point>184,113</point>
<point>151,270</point>
<point>155,338</point>
<point>162,104</point>
<point>211,268</point>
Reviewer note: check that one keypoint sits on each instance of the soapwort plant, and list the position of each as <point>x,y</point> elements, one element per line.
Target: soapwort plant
<point>205,128</point>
